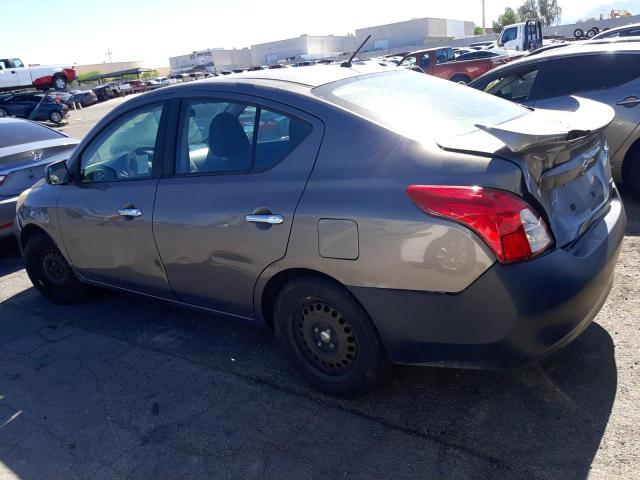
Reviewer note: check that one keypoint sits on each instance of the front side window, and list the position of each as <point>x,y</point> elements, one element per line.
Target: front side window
<point>515,86</point>
<point>221,137</point>
<point>18,63</point>
<point>125,151</point>
<point>441,56</point>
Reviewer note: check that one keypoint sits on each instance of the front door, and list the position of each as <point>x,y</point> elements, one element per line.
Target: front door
<point>106,215</point>
<point>226,212</point>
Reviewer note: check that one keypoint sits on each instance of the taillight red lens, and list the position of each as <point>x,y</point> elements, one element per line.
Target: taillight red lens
<point>511,228</point>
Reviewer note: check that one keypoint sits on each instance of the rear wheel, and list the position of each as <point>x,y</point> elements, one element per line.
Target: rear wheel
<point>50,273</point>
<point>578,33</point>
<point>59,82</point>
<point>329,338</point>
<point>463,79</point>
<point>55,116</point>
<point>631,172</point>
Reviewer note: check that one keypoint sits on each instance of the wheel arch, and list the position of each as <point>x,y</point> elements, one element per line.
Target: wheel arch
<point>275,284</point>
<point>29,231</point>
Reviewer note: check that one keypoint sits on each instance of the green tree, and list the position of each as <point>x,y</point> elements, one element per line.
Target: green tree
<point>550,11</point>
<point>507,18</point>
<point>528,10</point>
<point>478,30</point>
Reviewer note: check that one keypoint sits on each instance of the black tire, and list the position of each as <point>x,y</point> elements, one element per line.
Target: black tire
<point>50,273</point>
<point>631,172</point>
<point>462,79</point>
<point>55,117</point>
<point>329,338</point>
<point>592,32</point>
<point>59,82</point>
<point>578,33</point>
<point>3,113</point>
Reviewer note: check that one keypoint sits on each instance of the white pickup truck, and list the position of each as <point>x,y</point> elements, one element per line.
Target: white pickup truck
<point>15,74</point>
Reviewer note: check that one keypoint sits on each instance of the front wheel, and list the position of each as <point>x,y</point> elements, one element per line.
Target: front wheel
<point>59,82</point>
<point>55,117</point>
<point>329,338</point>
<point>50,273</point>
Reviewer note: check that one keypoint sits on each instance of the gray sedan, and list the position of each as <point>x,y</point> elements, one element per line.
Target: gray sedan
<point>25,149</point>
<point>369,215</point>
<point>605,72</point>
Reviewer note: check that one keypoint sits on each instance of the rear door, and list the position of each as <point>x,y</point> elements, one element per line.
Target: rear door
<point>225,209</point>
<point>610,78</point>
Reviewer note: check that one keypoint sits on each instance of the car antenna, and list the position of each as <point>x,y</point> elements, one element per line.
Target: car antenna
<point>348,62</point>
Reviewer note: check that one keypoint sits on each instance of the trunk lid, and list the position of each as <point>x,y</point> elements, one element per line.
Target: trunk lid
<point>563,157</point>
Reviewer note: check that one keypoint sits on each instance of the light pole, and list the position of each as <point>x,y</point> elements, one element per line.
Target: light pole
<point>484,31</point>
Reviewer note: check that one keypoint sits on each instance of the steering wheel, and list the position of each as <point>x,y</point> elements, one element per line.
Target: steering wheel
<point>103,174</point>
<point>131,164</point>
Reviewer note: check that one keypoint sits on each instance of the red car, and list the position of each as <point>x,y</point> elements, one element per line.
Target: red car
<point>138,86</point>
<point>440,63</point>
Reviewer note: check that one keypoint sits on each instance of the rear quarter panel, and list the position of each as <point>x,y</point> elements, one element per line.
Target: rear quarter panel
<point>361,174</point>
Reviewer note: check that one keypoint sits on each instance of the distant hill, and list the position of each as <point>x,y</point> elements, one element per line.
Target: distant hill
<point>632,6</point>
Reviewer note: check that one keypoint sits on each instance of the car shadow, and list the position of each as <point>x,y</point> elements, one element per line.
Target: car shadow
<point>543,421</point>
<point>10,260</point>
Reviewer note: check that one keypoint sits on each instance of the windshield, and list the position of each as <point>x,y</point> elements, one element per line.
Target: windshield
<point>418,106</point>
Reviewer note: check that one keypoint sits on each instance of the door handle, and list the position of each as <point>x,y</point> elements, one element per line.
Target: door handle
<point>629,102</point>
<point>271,219</point>
<point>130,212</point>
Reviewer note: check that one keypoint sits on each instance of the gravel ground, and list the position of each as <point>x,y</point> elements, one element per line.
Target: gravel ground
<point>127,387</point>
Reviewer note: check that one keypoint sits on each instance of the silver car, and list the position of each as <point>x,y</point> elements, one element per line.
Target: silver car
<point>369,215</point>
<point>25,149</point>
<point>605,72</point>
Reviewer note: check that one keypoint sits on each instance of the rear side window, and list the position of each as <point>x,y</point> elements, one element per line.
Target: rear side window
<point>233,137</point>
<point>418,106</point>
<point>17,133</point>
<point>584,73</point>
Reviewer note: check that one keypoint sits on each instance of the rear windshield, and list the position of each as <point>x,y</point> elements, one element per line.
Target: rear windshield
<point>17,133</point>
<point>419,106</point>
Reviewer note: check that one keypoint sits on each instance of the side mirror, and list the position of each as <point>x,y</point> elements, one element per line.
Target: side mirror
<point>57,173</point>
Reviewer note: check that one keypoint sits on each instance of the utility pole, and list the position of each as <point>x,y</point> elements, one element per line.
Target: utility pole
<point>109,52</point>
<point>484,31</point>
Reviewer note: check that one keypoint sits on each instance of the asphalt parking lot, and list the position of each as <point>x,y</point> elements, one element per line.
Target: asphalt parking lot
<point>126,387</point>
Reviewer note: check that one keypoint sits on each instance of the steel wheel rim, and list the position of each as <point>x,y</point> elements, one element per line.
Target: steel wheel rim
<point>55,268</point>
<point>55,116</point>
<point>326,338</point>
<point>59,84</point>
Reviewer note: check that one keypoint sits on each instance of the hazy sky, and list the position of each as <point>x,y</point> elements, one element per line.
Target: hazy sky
<point>81,31</point>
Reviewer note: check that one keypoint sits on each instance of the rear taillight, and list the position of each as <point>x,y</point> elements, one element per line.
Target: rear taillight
<point>511,227</point>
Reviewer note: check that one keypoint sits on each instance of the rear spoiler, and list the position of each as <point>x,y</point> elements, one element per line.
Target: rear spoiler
<point>537,128</point>
<point>551,126</point>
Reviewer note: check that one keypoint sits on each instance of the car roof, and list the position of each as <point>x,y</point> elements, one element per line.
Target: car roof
<point>311,76</point>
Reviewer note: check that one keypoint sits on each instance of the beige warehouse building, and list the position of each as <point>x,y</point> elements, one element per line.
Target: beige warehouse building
<point>304,47</point>
<point>412,33</point>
